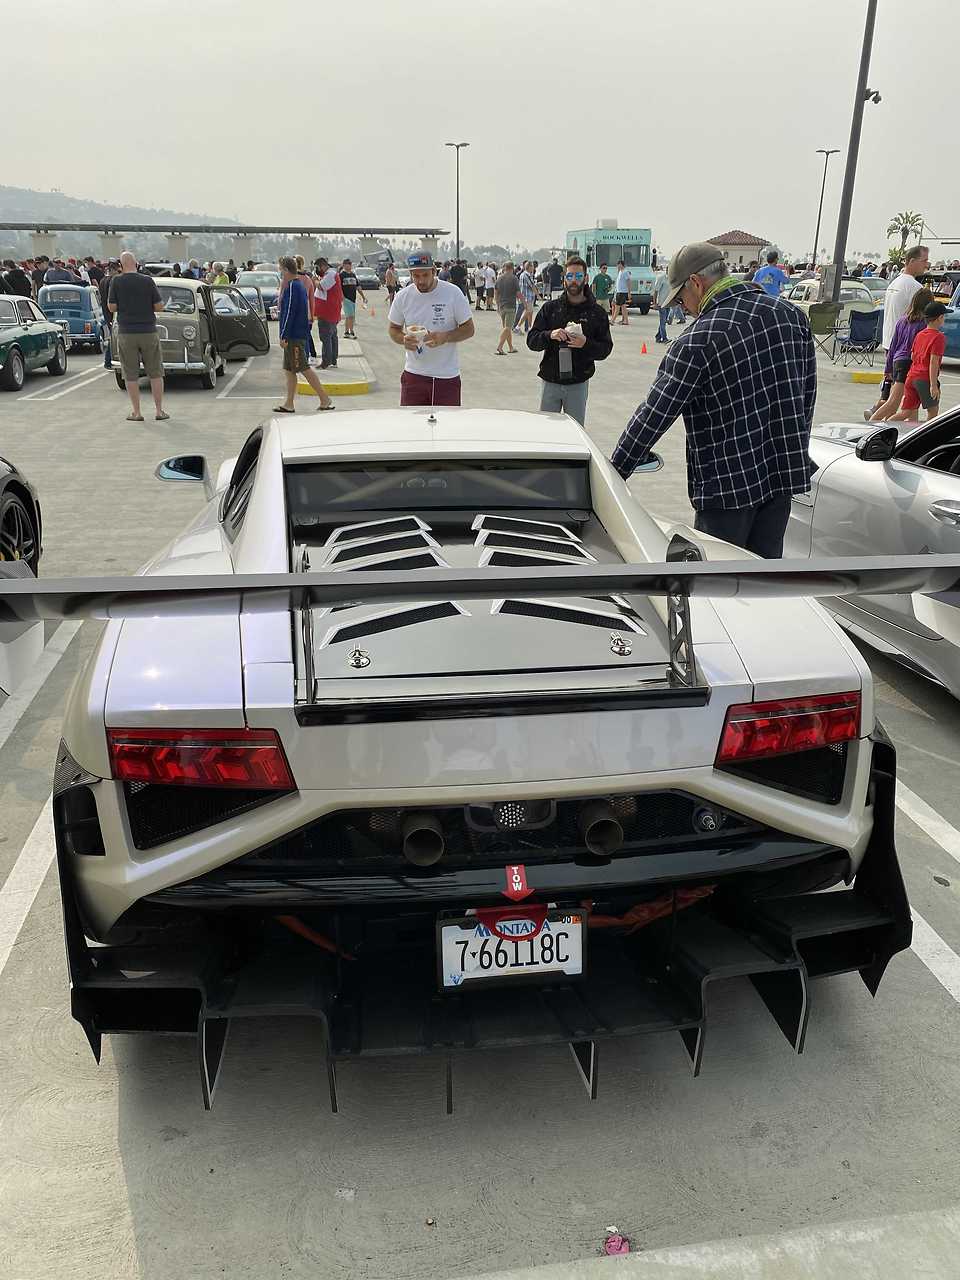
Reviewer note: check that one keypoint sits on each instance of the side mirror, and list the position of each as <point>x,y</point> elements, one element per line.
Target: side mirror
<point>653,463</point>
<point>878,446</point>
<point>187,466</point>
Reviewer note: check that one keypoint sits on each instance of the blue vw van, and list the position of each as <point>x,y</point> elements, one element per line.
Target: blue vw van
<point>78,305</point>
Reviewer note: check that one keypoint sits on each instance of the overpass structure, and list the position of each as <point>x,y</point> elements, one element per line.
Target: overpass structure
<point>303,238</point>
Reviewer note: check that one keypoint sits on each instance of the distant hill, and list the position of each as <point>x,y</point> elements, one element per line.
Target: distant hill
<point>19,204</point>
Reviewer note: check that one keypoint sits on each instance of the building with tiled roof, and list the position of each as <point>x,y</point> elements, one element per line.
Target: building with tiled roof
<point>739,247</point>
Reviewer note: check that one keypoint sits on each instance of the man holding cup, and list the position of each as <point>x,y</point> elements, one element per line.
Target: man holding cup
<point>427,319</point>
<point>573,332</point>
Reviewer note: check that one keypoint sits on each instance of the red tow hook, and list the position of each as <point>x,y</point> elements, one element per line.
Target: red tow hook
<point>296,925</point>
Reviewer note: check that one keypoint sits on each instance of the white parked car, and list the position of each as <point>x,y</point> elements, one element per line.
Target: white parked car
<point>854,296</point>
<point>416,730</point>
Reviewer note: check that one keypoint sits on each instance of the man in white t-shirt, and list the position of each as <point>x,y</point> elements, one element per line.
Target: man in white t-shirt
<point>427,319</point>
<point>621,294</point>
<point>896,303</point>
<point>899,292</point>
<point>490,283</point>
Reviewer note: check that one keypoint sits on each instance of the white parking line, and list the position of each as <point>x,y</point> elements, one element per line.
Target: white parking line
<point>222,395</point>
<point>23,883</point>
<point>941,960</point>
<point>77,386</point>
<point>20,699</point>
<point>937,828</point>
<point>39,393</point>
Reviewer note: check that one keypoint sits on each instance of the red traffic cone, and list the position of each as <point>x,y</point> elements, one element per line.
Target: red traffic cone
<point>643,349</point>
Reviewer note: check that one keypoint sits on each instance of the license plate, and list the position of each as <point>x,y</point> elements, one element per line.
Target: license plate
<point>508,945</point>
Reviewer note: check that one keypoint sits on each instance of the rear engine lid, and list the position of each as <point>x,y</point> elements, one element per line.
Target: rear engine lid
<point>476,637</point>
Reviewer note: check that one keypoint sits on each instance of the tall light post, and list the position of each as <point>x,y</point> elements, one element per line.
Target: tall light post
<point>816,235</point>
<point>456,146</point>
<point>850,174</point>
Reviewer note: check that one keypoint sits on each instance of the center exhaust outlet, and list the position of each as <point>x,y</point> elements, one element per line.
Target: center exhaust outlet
<point>423,842</point>
<point>602,833</point>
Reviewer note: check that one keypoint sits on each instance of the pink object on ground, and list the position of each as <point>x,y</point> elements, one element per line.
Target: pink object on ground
<point>616,1244</point>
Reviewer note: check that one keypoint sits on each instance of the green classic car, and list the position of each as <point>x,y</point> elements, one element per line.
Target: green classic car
<point>28,341</point>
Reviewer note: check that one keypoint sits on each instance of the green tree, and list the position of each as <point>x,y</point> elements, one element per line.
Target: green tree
<point>904,225</point>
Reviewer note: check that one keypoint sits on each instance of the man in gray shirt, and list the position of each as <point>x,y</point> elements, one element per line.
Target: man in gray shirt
<point>507,290</point>
<point>135,299</point>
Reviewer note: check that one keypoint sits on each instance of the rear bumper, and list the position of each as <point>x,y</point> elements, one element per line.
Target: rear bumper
<point>373,992</point>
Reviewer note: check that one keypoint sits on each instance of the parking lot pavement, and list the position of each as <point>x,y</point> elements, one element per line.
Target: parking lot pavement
<point>115,1170</point>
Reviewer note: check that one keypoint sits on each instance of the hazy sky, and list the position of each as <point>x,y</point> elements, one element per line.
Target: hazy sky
<point>689,116</point>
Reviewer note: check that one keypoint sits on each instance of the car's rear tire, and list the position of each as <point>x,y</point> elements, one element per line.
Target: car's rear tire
<point>208,379</point>
<point>98,347</point>
<point>58,365</point>
<point>18,534</point>
<point>14,372</point>
<point>121,382</point>
<point>645,311</point>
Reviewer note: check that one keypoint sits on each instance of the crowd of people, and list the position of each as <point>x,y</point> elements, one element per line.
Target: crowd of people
<point>742,375</point>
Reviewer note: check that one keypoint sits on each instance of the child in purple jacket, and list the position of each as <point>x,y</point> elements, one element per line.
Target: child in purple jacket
<point>898,356</point>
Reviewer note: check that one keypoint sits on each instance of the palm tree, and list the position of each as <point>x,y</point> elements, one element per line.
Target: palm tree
<point>904,225</point>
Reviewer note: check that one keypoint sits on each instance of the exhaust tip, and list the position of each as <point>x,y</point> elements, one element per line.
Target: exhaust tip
<point>422,838</point>
<point>602,833</point>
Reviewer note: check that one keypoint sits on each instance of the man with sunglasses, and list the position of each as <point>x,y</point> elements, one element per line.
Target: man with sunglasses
<point>573,332</point>
<point>744,378</point>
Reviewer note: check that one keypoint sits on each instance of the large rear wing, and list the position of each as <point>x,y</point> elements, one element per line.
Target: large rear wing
<point>26,600</point>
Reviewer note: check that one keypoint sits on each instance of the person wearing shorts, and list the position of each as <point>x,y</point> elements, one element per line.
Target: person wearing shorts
<point>899,358</point>
<point>351,288</point>
<point>134,300</point>
<point>507,291</point>
<point>295,321</point>
<point>922,387</point>
<point>392,282</point>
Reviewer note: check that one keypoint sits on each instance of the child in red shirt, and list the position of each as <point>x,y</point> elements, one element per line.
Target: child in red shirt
<point>923,378</point>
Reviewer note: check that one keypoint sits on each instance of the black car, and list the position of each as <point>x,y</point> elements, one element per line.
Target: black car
<point>20,527</point>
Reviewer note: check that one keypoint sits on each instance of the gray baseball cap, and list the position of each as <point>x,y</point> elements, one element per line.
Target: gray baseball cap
<point>687,261</point>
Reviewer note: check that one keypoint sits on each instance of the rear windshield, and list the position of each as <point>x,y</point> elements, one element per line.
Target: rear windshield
<point>62,298</point>
<point>447,484</point>
<point>259,279</point>
<point>8,313</point>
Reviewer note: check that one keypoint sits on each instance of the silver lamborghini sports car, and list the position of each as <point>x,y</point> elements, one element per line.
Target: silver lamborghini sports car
<point>889,489</point>
<point>426,729</point>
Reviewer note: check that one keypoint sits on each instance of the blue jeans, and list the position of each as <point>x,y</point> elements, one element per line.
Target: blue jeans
<point>329,342</point>
<point>662,331</point>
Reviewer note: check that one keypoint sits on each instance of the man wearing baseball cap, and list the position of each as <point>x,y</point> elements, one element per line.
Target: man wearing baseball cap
<point>744,378</point>
<point>427,319</point>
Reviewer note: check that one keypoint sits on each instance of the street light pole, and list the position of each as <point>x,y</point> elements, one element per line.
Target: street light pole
<point>826,160</point>
<point>850,174</point>
<point>456,146</point>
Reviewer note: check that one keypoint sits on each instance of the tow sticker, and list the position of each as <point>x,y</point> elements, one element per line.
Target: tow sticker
<point>516,887</point>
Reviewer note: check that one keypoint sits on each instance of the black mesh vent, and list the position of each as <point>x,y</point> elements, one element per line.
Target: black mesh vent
<point>535,544</point>
<point>531,609</point>
<point>159,813</point>
<point>426,560</point>
<point>371,837</point>
<point>403,524</point>
<point>392,621</point>
<point>406,542</point>
<point>517,560</point>
<point>530,527</point>
<point>816,774</point>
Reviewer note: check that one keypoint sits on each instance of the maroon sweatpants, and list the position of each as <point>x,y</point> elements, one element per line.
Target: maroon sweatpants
<point>415,388</point>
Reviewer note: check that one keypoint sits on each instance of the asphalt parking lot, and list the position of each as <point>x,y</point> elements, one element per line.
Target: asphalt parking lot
<point>116,1170</point>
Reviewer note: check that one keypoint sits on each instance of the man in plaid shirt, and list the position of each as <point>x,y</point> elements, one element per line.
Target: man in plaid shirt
<point>744,378</point>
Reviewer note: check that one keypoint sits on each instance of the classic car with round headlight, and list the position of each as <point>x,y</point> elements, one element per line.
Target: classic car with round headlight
<point>202,325</point>
<point>427,731</point>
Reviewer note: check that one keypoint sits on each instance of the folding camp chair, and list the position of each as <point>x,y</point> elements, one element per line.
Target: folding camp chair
<point>823,318</point>
<point>858,344</point>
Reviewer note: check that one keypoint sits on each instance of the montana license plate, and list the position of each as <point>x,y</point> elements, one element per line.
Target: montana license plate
<point>508,945</point>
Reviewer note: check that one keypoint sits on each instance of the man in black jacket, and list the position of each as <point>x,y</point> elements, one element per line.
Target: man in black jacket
<point>572,331</point>
<point>17,280</point>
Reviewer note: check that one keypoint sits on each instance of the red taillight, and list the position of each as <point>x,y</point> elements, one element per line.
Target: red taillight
<point>201,757</point>
<point>755,729</point>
